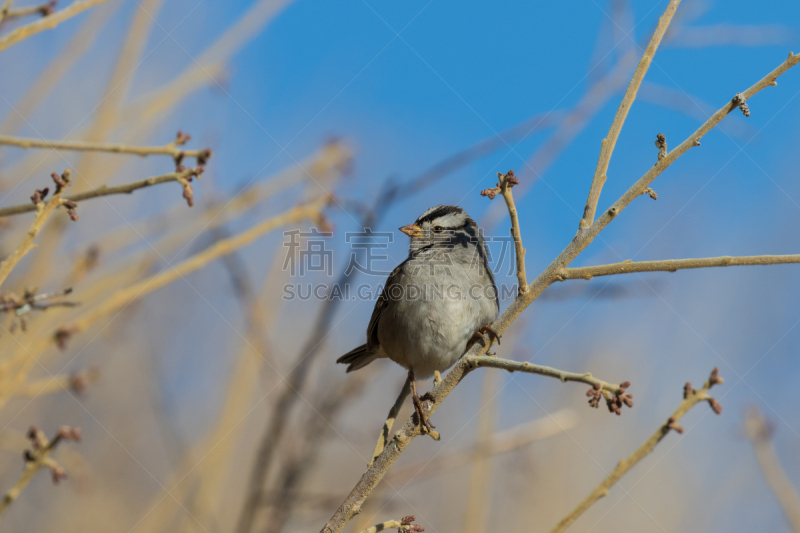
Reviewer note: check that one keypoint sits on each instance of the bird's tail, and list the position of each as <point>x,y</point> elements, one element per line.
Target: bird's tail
<point>357,358</point>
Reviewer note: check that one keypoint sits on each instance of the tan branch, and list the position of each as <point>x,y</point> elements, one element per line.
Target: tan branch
<point>474,361</point>
<point>44,10</point>
<point>172,149</point>
<point>37,458</point>
<point>125,296</point>
<point>387,426</point>
<point>404,524</point>
<point>691,397</point>
<point>46,23</point>
<point>105,190</point>
<point>608,144</point>
<point>4,11</point>
<point>759,431</point>
<point>43,211</point>
<point>504,185</point>
<point>672,265</point>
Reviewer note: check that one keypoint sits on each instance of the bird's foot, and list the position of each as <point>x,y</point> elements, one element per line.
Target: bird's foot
<point>494,335</point>
<point>425,426</point>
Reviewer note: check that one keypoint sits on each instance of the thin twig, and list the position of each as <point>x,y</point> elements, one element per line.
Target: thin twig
<point>43,211</point>
<point>46,23</point>
<point>760,432</point>
<point>5,9</point>
<point>504,185</point>
<point>136,291</point>
<point>105,190</point>
<point>691,397</point>
<point>172,149</point>
<point>608,144</point>
<point>43,9</point>
<point>404,524</point>
<point>37,458</point>
<point>672,265</point>
<point>383,438</point>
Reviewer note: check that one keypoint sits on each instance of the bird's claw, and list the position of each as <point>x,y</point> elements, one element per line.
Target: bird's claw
<point>493,334</point>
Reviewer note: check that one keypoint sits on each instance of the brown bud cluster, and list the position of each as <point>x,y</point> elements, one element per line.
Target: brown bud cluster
<point>491,193</point>
<point>80,381</point>
<point>39,195</point>
<point>408,525</point>
<point>70,205</point>
<point>69,433</point>
<point>673,425</point>
<point>182,138</point>
<point>57,472</point>
<point>510,178</point>
<point>687,390</point>
<point>715,406</point>
<point>62,336</point>
<point>714,378</point>
<point>48,8</point>
<point>740,101</point>
<point>661,144</point>
<point>651,193</point>
<point>61,181</point>
<point>614,401</point>
<point>37,438</point>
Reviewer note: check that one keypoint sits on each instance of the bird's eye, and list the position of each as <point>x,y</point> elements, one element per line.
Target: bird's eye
<point>437,229</point>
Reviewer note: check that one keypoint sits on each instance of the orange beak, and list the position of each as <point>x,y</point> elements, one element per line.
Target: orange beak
<point>412,230</point>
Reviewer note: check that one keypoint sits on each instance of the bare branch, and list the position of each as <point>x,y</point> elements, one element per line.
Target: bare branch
<point>608,144</point>
<point>759,431</point>
<point>672,265</point>
<point>387,426</point>
<point>105,190</point>
<point>46,23</point>
<point>691,397</point>
<point>44,10</point>
<point>138,290</point>
<point>43,211</point>
<point>37,458</point>
<point>404,524</point>
<point>504,185</point>
<point>172,149</point>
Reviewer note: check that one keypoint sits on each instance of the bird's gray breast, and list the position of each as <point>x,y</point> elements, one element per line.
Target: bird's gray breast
<point>434,309</point>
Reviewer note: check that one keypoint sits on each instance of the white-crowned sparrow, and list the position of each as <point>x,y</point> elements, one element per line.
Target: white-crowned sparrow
<point>436,303</point>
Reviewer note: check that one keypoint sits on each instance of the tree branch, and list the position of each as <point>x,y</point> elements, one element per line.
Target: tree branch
<point>691,397</point>
<point>672,265</point>
<point>172,149</point>
<point>105,190</point>
<point>505,184</point>
<point>404,524</point>
<point>46,23</point>
<point>608,144</point>
<point>133,292</point>
<point>44,10</point>
<point>760,432</point>
<point>37,458</point>
<point>387,426</point>
<point>43,211</point>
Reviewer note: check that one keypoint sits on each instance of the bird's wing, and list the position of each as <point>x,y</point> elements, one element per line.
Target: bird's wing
<point>381,304</point>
